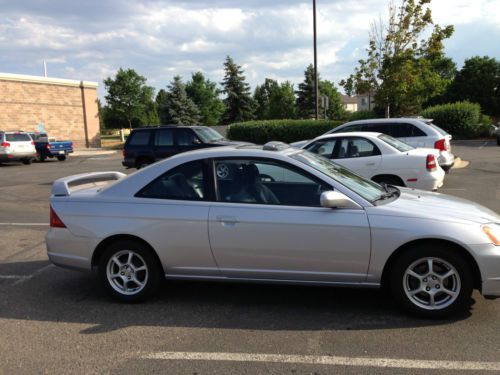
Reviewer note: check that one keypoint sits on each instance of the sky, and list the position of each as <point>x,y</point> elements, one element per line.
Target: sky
<point>91,39</point>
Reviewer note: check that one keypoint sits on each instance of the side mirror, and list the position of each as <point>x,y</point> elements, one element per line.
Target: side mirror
<point>196,141</point>
<point>334,199</point>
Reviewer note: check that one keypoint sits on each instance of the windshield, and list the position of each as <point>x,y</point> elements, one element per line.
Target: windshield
<point>396,143</point>
<point>208,135</point>
<point>367,189</point>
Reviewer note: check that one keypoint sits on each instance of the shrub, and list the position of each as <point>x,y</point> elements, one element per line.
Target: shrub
<point>288,131</point>
<point>362,115</point>
<point>461,119</point>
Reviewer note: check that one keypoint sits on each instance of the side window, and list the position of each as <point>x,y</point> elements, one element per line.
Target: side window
<point>186,137</point>
<point>357,148</point>
<point>323,147</point>
<point>139,138</point>
<point>185,182</point>
<point>164,137</point>
<point>415,132</point>
<point>266,182</point>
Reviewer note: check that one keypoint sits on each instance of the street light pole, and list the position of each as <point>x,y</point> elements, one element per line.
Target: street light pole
<point>316,88</point>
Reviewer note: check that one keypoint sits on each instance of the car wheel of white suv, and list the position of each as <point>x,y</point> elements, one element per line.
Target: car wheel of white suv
<point>431,282</point>
<point>129,271</point>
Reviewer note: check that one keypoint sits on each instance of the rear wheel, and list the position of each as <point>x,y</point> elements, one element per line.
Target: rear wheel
<point>142,163</point>
<point>26,161</point>
<point>431,282</point>
<point>41,157</point>
<point>498,140</point>
<point>61,157</point>
<point>129,271</point>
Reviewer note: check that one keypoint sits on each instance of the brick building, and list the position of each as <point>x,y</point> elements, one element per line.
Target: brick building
<point>65,109</point>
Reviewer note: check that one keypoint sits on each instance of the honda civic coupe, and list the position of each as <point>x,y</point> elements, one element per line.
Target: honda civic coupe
<point>273,214</point>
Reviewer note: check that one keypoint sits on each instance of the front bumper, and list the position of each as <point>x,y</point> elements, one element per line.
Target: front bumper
<point>488,260</point>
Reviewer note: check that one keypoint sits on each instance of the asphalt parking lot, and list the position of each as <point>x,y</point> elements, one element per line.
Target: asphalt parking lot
<point>59,321</point>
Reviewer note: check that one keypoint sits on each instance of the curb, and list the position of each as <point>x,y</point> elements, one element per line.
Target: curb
<point>92,152</point>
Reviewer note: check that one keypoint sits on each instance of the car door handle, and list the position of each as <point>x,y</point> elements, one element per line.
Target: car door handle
<point>228,221</point>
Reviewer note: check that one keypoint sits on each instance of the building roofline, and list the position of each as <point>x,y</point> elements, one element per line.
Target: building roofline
<point>46,80</point>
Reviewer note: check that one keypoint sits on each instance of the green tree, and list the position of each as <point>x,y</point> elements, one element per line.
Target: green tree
<point>262,98</point>
<point>478,81</point>
<point>335,107</point>
<point>282,102</point>
<point>177,108</point>
<point>161,106</point>
<point>403,70</point>
<point>128,96</point>
<point>205,94</point>
<point>239,105</point>
<point>306,107</point>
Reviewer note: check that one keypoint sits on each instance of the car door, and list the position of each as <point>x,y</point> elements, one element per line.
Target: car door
<point>278,230</point>
<point>358,154</point>
<point>171,214</point>
<point>164,143</point>
<point>187,140</point>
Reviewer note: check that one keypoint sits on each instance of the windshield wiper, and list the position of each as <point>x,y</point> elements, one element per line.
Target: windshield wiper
<point>388,193</point>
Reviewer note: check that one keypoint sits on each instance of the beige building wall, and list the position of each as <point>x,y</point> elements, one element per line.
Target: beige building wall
<point>66,109</point>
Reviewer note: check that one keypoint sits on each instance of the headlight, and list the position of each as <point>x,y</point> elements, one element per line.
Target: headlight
<point>492,230</point>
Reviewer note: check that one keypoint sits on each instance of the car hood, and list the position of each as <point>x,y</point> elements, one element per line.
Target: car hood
<point>436,206</point>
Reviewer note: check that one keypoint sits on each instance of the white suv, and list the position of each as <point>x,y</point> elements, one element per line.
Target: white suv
<point>16,146</point>
<point>417,132</point>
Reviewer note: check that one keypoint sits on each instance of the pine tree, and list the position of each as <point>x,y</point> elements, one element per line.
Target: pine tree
<point>178,109</point>
<point>239,103</point>
<point>306,107</point>
<point>205,94</point>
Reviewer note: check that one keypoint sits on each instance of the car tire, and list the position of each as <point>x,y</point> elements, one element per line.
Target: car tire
<point>26,161</point>
<point>414,285</point>
<point>389,180</point>
<point>61,157</point>
<point>41,157</point>
<point>498,141</point>
<point>129,271</point>
<point>142,163</point>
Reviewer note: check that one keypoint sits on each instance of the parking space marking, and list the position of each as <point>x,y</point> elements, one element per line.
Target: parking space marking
<point>24,278</point>
<point>328,360</point>
<point>484,144</point>
<point>24,224</point>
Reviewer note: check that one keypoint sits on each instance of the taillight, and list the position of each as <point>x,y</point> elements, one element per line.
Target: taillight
<point>440,145</point>
<point>33,143</point>
<point>430,163</point>
<point>48,146</point>
<point>5,144</point>
<point>55,221</point>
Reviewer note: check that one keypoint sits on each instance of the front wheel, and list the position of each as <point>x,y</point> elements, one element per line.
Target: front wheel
<point>431,282</point>
<point>129,271</point>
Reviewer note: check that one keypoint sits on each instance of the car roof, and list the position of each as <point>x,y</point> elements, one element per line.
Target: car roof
<point>350,134</point>
<point>169,127</point>
<point>391,120</point>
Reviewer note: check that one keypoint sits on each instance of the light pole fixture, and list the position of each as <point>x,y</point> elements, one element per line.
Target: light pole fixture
<point>316,88</point>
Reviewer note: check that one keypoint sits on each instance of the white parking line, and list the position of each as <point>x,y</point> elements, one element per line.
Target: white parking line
<point>24,224</point>
<point>484,144</point>
<point>23,278</point>
<point>328,360</point>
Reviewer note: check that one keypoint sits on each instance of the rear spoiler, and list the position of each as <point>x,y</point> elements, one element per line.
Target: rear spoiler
<point>61,187</point>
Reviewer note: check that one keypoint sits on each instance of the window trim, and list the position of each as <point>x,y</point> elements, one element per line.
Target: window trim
<point>264,159</point>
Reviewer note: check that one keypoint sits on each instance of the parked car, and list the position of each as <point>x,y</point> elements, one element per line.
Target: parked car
<point>51,148</point>
<point>416,132</point>
<point>381,158</point>
<point>145,146</point>
<point>496,133</point>
<point>211,215</point>
<point>16,146</point>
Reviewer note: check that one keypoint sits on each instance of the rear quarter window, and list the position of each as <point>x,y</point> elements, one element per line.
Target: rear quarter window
<point>139,138</point>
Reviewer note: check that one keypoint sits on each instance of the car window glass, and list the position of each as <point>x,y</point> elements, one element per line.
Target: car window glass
<point>164,137</point>
<point>357,148</point>
<point>323,147</point>
<point>438,129</point>
<point>17,137</point>
<point>266,182</point>
<point>139,138</point>
<point>185,182</point>
<point>186,137</point>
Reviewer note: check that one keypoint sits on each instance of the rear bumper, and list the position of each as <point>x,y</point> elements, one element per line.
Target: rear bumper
<point>446,160</point>
<point>429,181</point>
<point>17,156</point>
<point>128,163</point>
<point>69,251</point>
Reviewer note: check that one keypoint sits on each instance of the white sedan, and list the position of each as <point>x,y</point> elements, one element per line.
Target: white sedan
<point>381,158</point>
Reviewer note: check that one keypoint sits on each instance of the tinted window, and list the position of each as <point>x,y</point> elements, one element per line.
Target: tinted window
<point>323,147</point>
<point>186,137</point>
<point>438,129</point>
<point>382,128</point>
<point>263,182</point>
<point>185,182</point>
<point>357,148</point>
<point>408,130</point>
<point>164,137</point>
<point>17,137</point>
<point>139,138</point>
<point>208,135</point>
